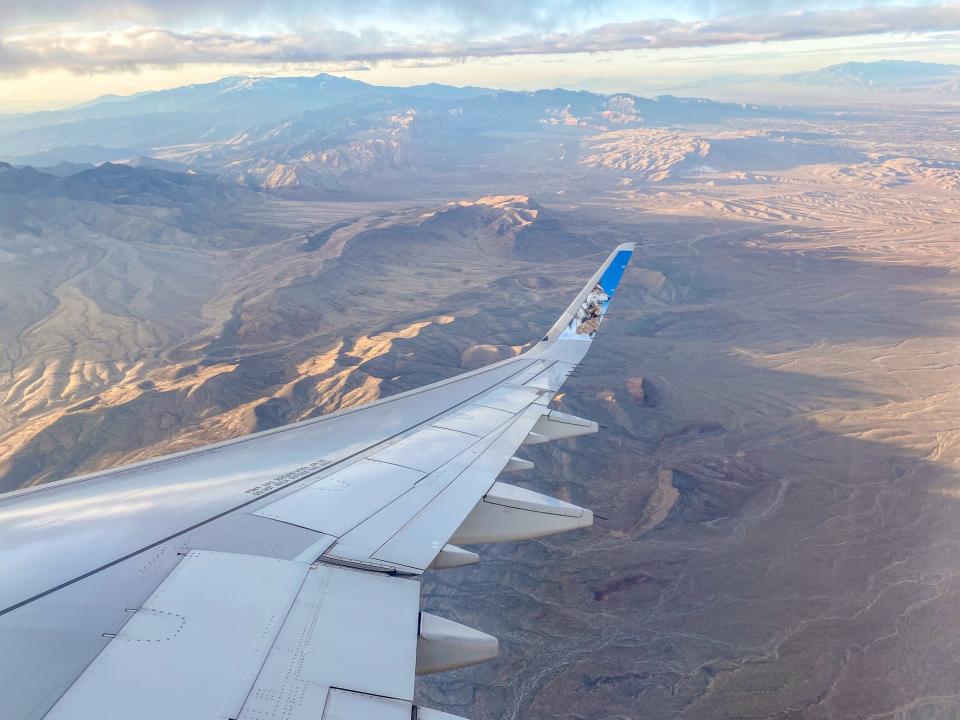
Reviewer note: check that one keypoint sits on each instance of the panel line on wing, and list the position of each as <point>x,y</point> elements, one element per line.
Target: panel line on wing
<point>462,432</point>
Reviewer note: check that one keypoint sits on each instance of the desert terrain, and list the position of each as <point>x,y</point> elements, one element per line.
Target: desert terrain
<point>777,470</point>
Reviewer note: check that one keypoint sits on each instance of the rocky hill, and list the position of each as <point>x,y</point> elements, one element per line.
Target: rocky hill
<point>133,330</point>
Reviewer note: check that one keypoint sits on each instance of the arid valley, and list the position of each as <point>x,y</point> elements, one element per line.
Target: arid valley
<point>777,477</point>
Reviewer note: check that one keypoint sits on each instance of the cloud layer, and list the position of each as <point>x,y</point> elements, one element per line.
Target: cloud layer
<point>140,46</point>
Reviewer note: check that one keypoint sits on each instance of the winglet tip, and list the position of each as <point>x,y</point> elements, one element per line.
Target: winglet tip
<point>607,278</point>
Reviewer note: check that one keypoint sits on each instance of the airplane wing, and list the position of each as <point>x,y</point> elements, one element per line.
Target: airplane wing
<point>276,576</point>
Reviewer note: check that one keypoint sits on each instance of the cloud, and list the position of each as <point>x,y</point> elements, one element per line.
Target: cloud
<point>457,15</point>
<point>135,47</point>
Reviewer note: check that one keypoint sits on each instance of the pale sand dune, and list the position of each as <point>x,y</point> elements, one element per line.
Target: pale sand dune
<point>885,173</point>
<point>653,155</point>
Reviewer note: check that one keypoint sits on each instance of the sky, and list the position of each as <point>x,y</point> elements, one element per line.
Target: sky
<point>55,53</point>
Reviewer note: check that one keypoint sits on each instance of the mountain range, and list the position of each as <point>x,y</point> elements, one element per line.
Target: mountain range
<point>114,183</point>
<point>325,132</point>
<point>882,75</point>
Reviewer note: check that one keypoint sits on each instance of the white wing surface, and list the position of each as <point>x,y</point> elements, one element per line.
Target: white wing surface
<point>277,576</point>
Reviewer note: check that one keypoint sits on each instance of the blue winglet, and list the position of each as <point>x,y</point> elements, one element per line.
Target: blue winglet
<point>582,319</point>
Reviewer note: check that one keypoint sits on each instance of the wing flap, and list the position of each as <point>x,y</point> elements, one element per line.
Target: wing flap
<point>216,611</point>
<point>346,705</point>
<point>347,629</point>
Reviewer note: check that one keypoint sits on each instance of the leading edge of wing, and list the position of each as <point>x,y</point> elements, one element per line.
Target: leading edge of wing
<point>607,277</point>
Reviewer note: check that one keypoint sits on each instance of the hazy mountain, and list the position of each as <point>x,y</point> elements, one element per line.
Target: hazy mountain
<point>263,96</point>
<point>879,75</point>
<point>117,183</point>
<point>25,180</point>
<point>62,169</point>
<point>81,154</point>
<point>256,97</point>
<point>241,126</point>
<point>204,109</point>
<point>436,91</point>
<point>122,135</point>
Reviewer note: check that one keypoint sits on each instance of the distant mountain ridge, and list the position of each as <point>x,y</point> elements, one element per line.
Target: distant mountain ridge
<point>114,183</point>
<point>325,132</point>
<point>878,75</point>
<point>274,95</point>
<point>259,98</point>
